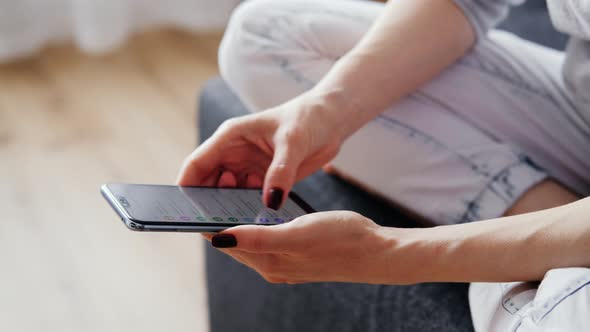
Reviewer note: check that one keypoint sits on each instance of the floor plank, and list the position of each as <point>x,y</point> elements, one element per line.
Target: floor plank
<point>68,123</point>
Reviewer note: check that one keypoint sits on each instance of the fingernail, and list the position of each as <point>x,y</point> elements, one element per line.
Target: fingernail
<point>275,198</point>
<point>224,241</point>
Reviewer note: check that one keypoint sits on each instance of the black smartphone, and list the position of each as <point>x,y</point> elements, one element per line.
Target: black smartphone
<point>164,208</point>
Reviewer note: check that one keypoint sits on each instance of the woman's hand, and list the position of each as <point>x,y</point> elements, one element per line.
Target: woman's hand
<point>271,149</point>
<point>326,246</point>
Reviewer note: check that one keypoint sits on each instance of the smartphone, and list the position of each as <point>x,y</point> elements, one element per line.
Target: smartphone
<point>144,207</point>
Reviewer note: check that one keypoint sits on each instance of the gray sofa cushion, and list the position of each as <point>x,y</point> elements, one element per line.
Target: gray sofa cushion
<point>531,21</point>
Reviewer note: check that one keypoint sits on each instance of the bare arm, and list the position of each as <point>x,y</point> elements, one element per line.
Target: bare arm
<point>344,246</point>
<point>521,247</point>
<point>410,43</point>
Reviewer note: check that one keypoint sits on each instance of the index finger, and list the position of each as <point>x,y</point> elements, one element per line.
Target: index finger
<point>198,166</point>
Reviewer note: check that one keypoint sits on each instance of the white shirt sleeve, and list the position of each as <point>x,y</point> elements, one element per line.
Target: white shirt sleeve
<point>571,16</point>
<point>486,14</point>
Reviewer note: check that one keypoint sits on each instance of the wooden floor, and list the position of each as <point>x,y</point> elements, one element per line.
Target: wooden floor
<point>68,123</point>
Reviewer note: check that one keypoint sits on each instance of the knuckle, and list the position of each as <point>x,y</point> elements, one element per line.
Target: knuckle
<point>229,125</point>
<point>188,160</point>
<point>258,241</point>
<point>191,161</point>
<point>257,244</point>
<point>269,264</point>
<point>351,216</point>
<point>279,170</point>
<point>293,134</point>
<point>356,215</point>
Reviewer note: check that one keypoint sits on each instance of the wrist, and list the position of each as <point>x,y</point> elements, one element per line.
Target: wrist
<point>438,254</point>
<point>521,247</point>
<point>335,107</point>
<point>408,256</point>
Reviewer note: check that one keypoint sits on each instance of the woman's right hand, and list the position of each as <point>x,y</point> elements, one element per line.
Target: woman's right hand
<point>272,149</point>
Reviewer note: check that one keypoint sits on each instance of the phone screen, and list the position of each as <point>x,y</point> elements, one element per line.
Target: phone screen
<point>173,204</point>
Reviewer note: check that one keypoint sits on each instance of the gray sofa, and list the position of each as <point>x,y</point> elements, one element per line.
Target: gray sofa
<point>240,300</point>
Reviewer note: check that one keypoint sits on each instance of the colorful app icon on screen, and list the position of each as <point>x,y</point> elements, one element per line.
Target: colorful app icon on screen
<point>279,220</point>
<point>234,219</point>
<point>217,218</point>
<point>263,220</point>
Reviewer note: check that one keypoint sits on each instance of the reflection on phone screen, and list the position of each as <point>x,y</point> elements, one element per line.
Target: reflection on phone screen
<point>193,204</point>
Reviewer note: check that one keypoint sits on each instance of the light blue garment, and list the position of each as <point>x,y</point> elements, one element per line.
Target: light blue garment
<point>569,16</point>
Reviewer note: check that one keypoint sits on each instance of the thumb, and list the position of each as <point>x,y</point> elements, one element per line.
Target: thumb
<point>281,175</point>
<point>255,238</point>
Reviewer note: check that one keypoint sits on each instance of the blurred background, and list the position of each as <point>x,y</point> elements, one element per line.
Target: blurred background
<point>93,92</point>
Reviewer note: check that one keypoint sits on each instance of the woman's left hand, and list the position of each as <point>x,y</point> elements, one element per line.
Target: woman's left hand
<point>326,246</point>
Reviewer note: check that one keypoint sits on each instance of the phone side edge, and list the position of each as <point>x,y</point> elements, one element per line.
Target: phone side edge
<point>108,196</point>
<point>184,229</point>
<point>303,204</point>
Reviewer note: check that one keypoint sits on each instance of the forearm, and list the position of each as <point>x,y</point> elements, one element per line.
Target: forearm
<point>410,43</point>
<point>515,248</point>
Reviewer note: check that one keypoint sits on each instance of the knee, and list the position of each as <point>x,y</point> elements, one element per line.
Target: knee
<point>244,41</point>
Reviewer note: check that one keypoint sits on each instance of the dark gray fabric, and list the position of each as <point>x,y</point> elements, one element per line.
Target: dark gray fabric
<point>239,300</point>
<point>531,21</point>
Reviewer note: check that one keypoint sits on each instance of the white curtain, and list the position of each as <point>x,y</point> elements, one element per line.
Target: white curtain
<point>97,26</point>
